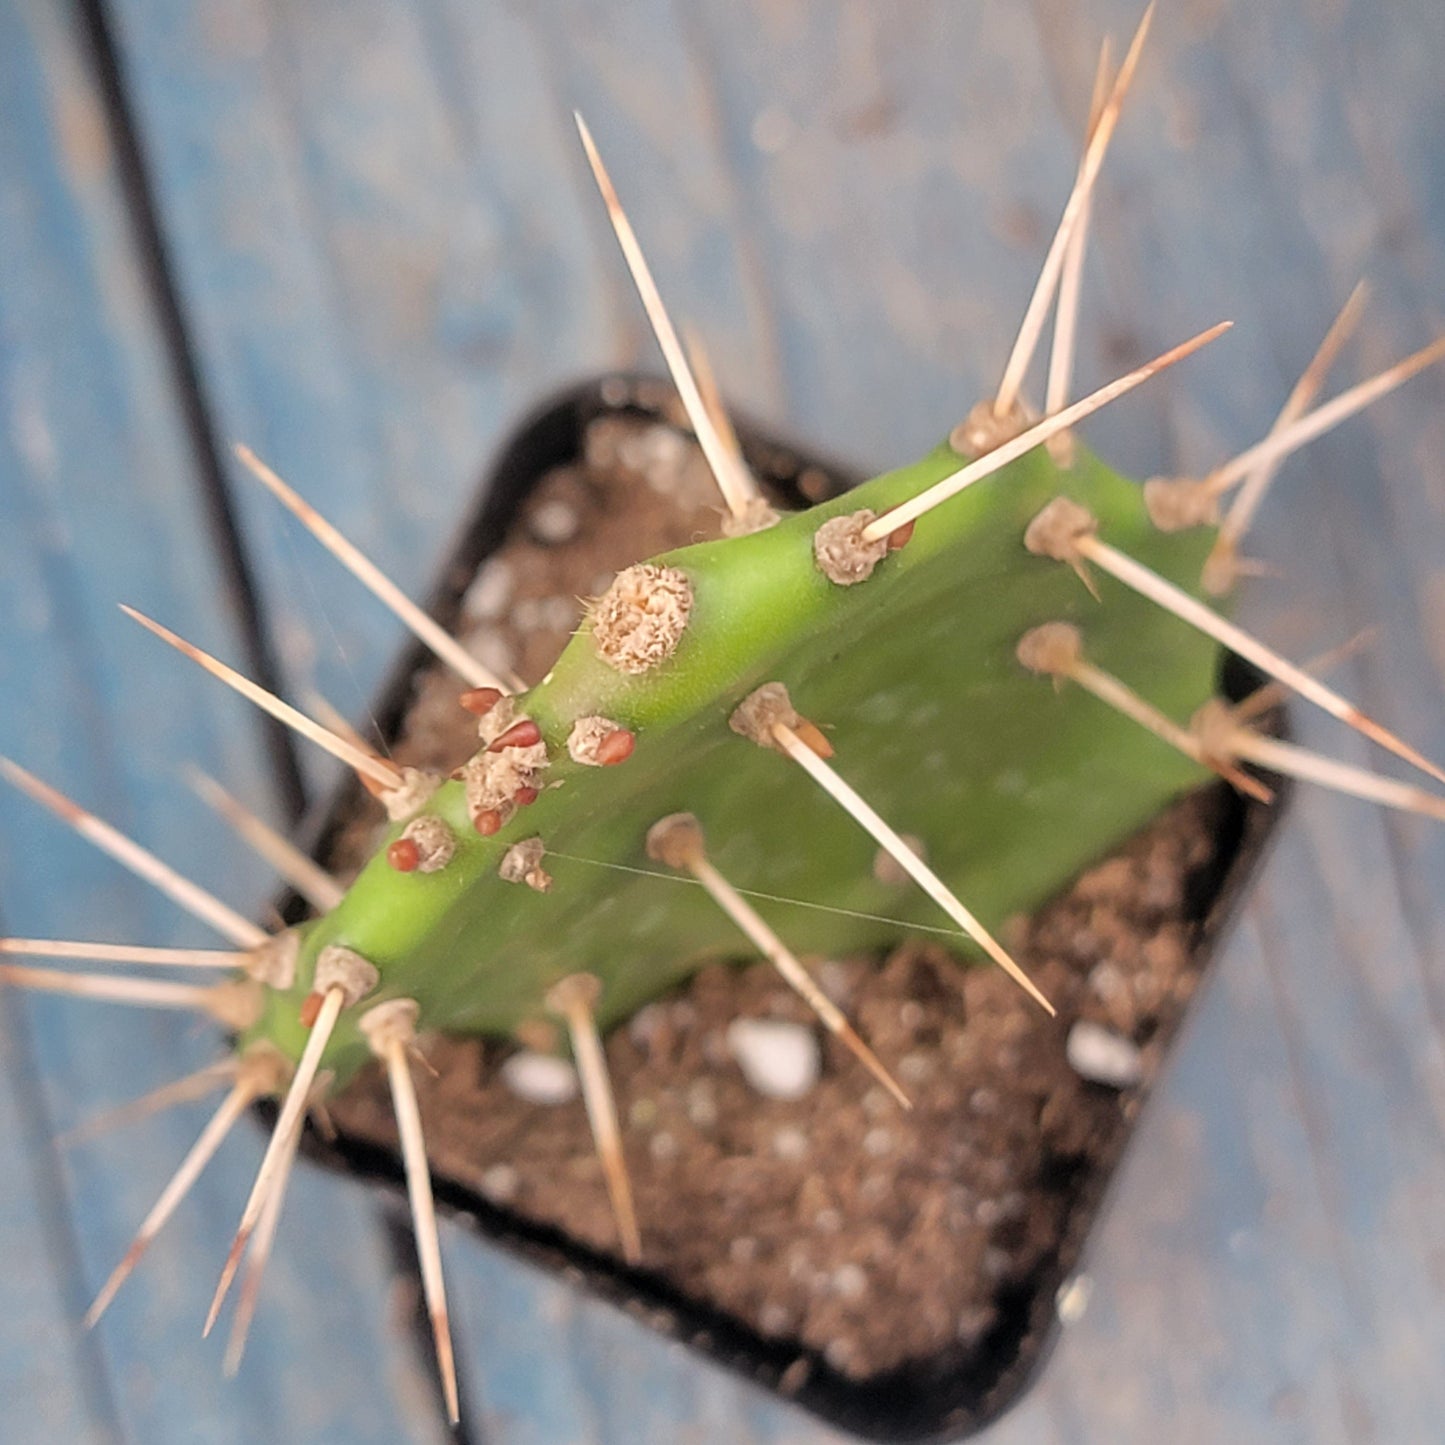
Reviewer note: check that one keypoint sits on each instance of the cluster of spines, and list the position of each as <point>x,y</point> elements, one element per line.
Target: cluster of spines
<point>636,626</point>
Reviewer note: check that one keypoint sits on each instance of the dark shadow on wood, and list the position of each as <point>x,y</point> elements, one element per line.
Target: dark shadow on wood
<point>401,1243</point>
<point>196,412</point>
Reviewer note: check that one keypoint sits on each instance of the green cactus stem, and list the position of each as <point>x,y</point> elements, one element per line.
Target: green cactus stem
<point>1012,786</point>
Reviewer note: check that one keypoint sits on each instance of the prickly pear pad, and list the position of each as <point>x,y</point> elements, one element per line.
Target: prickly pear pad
<point>1012,788</point>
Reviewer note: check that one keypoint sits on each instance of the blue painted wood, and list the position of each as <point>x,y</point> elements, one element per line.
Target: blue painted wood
<point>374,300</point>
<point>551,1364</point>
<point>99,501</point>
<point>386,245</point>
<point>43,1366</point>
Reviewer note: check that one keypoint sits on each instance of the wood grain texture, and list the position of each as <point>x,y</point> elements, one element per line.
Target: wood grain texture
<point>386,247</point>
<point>381,272</point>
<point>99,502</point>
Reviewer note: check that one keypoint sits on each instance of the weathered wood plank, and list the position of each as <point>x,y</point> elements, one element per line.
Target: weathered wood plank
<point>43,1366</point>
<point>99,501</point>
<point>380,269</point>
<point>552,1365</point>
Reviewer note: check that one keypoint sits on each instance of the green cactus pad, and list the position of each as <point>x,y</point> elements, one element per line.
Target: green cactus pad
<point>1012,786</point>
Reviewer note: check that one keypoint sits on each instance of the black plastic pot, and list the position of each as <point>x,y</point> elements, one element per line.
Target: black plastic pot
<point>939,1398</point>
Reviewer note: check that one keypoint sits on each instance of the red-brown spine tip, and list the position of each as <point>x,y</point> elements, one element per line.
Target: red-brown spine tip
<point>479,701</point>
<point>812,736</point>
<point>487,822</point>
<point>228,1273</point>
<point>525,797</point>
<point>310,1008</point>
<point>404,855</point>
<point>524,734</point>
<point>71,813</point>
<point>616,747</point>
<point>899,539</point>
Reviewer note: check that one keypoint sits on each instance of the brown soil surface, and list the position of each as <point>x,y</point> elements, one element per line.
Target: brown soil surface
<point>870,1236</point>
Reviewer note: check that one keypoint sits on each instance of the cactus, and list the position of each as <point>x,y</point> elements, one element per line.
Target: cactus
<point>939,699</point>
<point>886,652</point>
